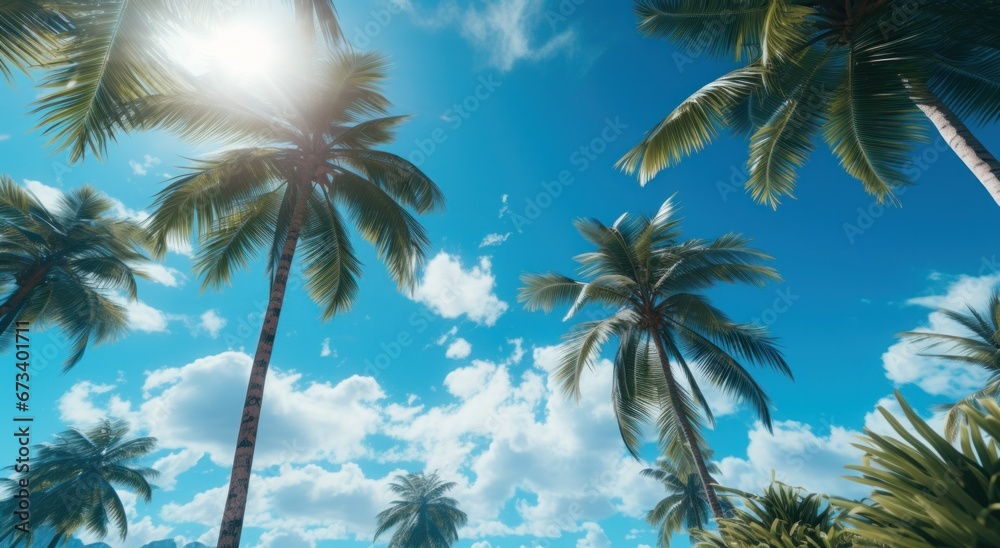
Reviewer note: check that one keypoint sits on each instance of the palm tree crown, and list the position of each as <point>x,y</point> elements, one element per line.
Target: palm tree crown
<point>864,74</point>
<point>74,480</point>
<point>980,351</point>
<point>648,280</point>
<point>60,266</point>
<point>305,156</point>
<point>685,506</point>
<point>423,516</point>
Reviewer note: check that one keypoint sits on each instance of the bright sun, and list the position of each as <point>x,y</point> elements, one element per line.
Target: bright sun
<point>244,52</point>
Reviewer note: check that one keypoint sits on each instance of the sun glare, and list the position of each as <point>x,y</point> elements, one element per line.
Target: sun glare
<point>245,52</point>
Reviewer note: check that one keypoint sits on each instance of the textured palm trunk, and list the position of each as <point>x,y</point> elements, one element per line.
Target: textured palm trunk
<point>980,161</point>
<point>10,308</point>
<point>239,480</point>
<point>686,431</point>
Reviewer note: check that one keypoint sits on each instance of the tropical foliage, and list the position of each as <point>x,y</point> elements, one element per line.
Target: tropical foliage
<point>423,516</point>
<point>74,482</point>
<point>981,351</point>
<point>62,266</point>
<point>685,506</point>
<point>863,74</point>
<point>648,281</point>
<point>780,517</point>
<point>309,160</point>
<point>925,491</point>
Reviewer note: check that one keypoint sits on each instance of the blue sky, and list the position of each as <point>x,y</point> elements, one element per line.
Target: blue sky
<point>521,109</point>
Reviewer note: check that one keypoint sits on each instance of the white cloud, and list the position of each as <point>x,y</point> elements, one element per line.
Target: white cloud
<point>507,31</point>
<point>142,168</point>
<point>196,407</point>
<point>902,361</point>
<point>49,196</point>
<point>494,239</point>
<point>145,318</point>
<point>451,291</point>
<point>174,465</point>
<point>325,351</point>
<point>459,349</point>
<point>162,274</point>
<point>212,323</point>
<point>596,538</point>
<point>4,137</point>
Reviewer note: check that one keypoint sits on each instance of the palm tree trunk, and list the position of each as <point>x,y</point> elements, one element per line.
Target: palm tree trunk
<point>980,161</point>
<point>686,430</point>
<point>12,306</point>
<point>239,481</point>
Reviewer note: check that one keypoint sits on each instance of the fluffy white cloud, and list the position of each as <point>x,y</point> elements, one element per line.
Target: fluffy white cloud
<point>902,361</point>
<point>162,274</point>
<point>174,465</point>
<point>451,291</point>
<point>145,318</point>
<point>197,407</point>
<point>212,323</point>
<point>325,350</point>
<point>49,196</point>
<point>596,538</point>
<point>459,349</point>
<point>508,31</point>
<point>301,504</point>
<point>494,239</point>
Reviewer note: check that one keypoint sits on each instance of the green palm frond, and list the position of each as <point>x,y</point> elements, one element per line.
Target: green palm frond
<point>29,33</point>
<point>734,26</point>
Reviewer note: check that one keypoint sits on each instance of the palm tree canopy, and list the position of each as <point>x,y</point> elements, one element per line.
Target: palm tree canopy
<point>316,131</point>
<point>108,54</point>
<point>647,279</point>
<point>72,258</point>
<point>685,506</point>
<point>423,516</point>
<point>850,71</point>
<point>979,351</point>
<point>74,479</point>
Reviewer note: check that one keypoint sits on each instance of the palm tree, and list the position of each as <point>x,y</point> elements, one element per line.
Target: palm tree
<point>981,350</point>
<point>867,74</point>
<point>73,482</point>
<point>685,506</point>
<point>58,266</point>
<point>664,330</point>
<point>423,517</point>
<point>315,156</point>
<point>781,517</point>
<point>99,57</point>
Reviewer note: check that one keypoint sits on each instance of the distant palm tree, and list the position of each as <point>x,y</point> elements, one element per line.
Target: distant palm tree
<point>58,266</point>
<point>101,56</point>
<point>685,506</point>
<point>73,482</point>
<point>980,351</point>
<point>664,329</point>
<point>313,155</point>
<point>865,74</point>
<point>423,517</point>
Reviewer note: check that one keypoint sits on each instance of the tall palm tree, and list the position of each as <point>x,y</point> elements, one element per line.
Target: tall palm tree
<point>99,57</point>
<point>73,482</point>
<point>648,280</point>
<point>313,157</point>
<point>685,506</point>
<point>59,266</point>
<point>866,74</point>
<point>423,517</point>
<point>980,351</point>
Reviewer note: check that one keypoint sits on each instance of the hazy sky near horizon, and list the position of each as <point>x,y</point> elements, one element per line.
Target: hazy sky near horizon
<point>521,108</point>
